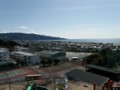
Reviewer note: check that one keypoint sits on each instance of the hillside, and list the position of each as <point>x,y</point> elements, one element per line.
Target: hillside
<point>24,36</point>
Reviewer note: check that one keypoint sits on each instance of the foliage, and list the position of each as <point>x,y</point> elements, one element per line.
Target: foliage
<point>56,61</point>
<point>8,44</point>
<point>106,58</point>
<point>94,59</point>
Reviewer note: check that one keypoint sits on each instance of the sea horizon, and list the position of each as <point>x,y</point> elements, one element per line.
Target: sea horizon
<point>103,40</point>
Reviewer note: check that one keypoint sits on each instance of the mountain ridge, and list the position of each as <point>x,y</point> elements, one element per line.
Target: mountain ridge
<point>27,36</point>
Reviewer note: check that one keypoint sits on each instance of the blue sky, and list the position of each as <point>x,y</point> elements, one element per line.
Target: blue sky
<point>74,19</point>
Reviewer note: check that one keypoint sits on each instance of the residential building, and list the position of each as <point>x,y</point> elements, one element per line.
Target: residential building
<point>23,49</point>
<point>4,54</point>
<point>27,58</point>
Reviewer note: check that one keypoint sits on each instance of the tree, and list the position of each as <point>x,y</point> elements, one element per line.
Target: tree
<point>50,62</point>
<point>43,62</point>
<point>94,59</point>
<point>56,61</point>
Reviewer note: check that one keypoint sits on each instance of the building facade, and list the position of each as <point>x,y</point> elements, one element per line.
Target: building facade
<point>4,54</point>
<point>26,58</point>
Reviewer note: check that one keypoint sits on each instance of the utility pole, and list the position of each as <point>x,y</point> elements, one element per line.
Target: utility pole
<point>9,81</point>
<point>9,86</point>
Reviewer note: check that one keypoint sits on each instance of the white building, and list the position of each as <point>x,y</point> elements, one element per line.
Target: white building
<point>76,56</point>
<point>27,58</point>
<point>4,54</point>
<point>23,49</point>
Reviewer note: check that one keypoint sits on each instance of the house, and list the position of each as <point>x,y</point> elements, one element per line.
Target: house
<point>27,58</point>
<point>59,55</point>
<point>78,75</point>
<point>4,54</point>
<point>23,49</point>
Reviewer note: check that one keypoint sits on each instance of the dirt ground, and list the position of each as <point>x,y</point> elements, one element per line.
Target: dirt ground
<point>12,87</point>
<point>15,85</point>
<point>75,86</point>
<point>79,86</point>
<point>13,75</point>
<point>71,86</point>
<point>59,67</point>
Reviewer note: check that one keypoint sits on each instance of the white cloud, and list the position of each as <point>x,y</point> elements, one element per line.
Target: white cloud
<point>23,27</point>
<point>26,29</point>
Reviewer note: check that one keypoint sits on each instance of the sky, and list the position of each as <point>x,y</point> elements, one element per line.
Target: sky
<point>72,19</point>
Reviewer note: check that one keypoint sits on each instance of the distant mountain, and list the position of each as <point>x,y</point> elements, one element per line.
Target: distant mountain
<point>24,36</point>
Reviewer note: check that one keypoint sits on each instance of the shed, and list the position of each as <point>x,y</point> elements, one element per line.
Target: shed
<point>104,71</point>
<point>79,75</point>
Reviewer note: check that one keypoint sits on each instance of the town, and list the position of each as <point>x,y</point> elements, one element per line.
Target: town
<point>59,65</point>
<point>59,44</point>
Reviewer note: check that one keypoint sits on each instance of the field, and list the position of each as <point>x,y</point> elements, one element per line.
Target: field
<point>12,87</point>
<point>19,74</point>
<point>15,75</point>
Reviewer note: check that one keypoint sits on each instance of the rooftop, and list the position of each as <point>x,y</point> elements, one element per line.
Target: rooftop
<point>2,50</point>
<point>50,52</point>
<point>104,69</point>
<point>88,77</point>
<point>24,53</point>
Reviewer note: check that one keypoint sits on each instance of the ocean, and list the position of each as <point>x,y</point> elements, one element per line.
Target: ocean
<point>94,40</point>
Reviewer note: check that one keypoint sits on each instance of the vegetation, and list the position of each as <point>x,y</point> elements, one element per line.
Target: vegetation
<point>49,62</point>
<point>106,57</point>
<point>94,59</point>
<point>7,65</point>
<point>8,44</point>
